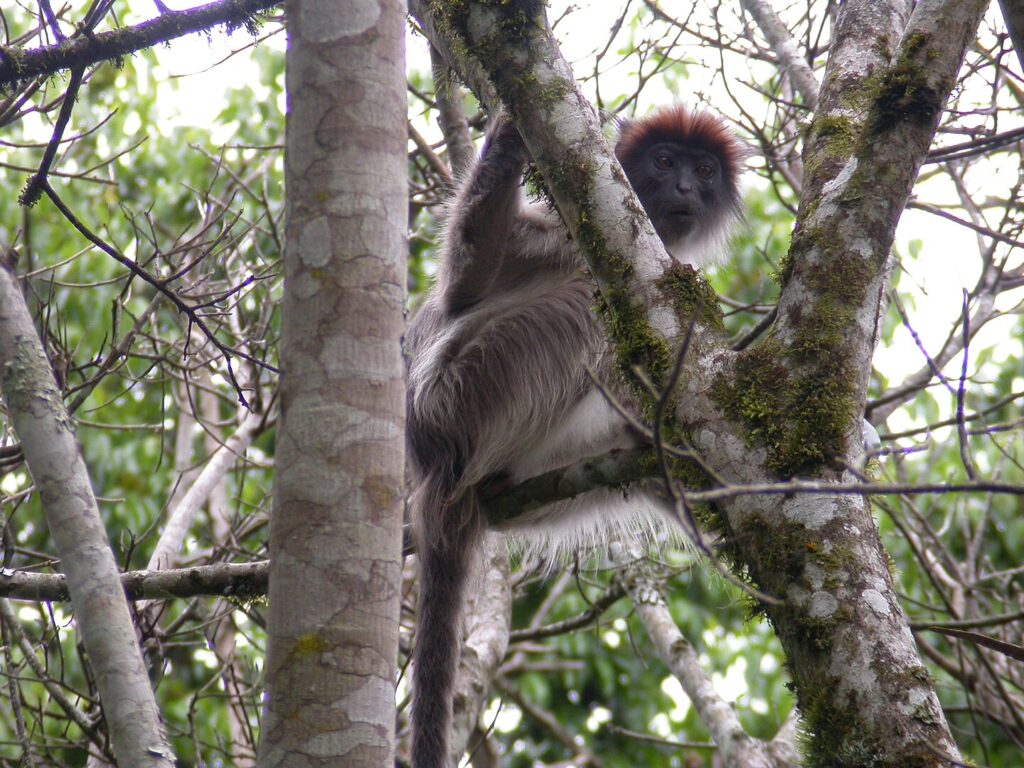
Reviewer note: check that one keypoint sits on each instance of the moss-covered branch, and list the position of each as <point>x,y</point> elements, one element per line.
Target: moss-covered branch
<point>81,50</point>
<point>507,54</point>
<point>889,75</point>
<point>791,405</point>
<point>801,393</point>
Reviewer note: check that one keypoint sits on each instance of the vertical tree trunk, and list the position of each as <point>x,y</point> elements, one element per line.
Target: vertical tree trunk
<point>335,533</point>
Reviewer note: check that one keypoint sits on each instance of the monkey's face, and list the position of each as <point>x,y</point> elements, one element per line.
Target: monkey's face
<point>681,188</point>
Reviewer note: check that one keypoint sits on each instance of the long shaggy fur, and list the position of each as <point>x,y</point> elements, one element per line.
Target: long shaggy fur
<point>449,530</point>
<point>498,389</point>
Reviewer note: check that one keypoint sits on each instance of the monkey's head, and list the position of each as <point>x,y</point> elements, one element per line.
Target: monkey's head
<point>684,167</point>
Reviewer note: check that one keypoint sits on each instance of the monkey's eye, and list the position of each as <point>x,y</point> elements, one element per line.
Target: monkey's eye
<point>662,162</point>
<point>705,171</point>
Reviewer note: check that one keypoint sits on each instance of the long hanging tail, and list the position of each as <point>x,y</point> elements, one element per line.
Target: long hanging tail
<point>447,531</point>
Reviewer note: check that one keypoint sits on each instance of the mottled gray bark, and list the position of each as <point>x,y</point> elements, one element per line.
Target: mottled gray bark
<point>53,457</point>
<point>736,747</point>
<point>335,537</point>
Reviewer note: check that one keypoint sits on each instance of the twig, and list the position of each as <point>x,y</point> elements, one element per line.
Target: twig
<point>436,164</point>
<point>652,739</point>
<point>36,185</point>
<point>611,596</point>
<point>754,333</point>
<point>974,147</point>
<point>966,223</point>
<point>161,285</point>
<point>51,20</point>
<point>961,424</point>
<point>6,628</point>
<point>55,691</point>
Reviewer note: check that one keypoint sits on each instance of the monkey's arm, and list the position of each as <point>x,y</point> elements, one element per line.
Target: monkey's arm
<point>482,217</point>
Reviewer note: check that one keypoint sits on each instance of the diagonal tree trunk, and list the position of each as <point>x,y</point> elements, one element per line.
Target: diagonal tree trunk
<point>59,472</point>
<point>865,695</point>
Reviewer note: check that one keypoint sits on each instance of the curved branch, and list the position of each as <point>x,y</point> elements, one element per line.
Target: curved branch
<point>785,49</point>
<point>72,517</point>
<point>736,745</point>
<point>180,520</point>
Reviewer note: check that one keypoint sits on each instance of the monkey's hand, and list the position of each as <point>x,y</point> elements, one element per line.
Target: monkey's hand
<point>504,139</point>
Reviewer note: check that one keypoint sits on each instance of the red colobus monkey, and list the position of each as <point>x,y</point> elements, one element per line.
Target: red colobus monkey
<point>498,358</point>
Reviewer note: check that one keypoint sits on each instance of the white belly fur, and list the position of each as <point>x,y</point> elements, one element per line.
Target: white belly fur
<point>591,428</point>
<point>589,521</point>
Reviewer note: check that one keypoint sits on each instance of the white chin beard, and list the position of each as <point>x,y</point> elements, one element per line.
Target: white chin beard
<point>696,250</point>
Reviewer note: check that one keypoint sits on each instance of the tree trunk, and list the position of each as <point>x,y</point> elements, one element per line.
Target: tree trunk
<point>335,535</point>
<point>865,695</point>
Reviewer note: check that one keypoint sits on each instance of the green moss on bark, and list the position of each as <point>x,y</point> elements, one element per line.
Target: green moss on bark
<point>798,401</point>
<point>834,140</point>
<point>690,295</point>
